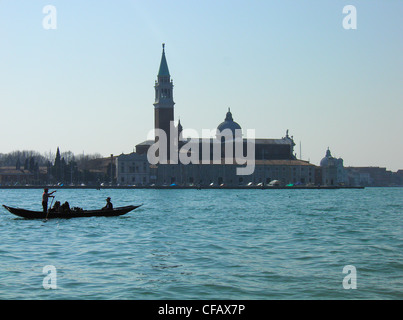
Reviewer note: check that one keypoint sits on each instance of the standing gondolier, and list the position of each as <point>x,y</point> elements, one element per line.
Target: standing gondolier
<point>45,196</point>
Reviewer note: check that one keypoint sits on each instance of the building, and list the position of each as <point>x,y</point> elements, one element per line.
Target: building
<point>282,171</point>
<point>266,149</point>
<point>164,103</point>
<point>133,169</point>
<point>274,159</point>
<point>11,176</point>
<point>373,176</point>
<point>333,173</point>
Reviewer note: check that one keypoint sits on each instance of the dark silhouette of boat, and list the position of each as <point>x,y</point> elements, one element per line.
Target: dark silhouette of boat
<point>72,213</point>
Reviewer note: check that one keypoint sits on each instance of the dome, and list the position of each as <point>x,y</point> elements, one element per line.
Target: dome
<point>325,161</point>
<point>229,123</point>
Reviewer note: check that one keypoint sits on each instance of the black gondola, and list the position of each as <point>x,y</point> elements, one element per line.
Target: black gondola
<point>73,213</point>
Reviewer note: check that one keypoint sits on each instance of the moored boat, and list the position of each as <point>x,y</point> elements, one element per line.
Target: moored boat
<point>73,213</point>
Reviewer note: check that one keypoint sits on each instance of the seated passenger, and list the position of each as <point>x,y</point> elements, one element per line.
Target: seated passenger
<point>56,207</point>
<point>65,207</point>
<point>109,205</point>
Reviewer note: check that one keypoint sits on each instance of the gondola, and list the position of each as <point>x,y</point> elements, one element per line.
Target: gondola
<point>73,213</point>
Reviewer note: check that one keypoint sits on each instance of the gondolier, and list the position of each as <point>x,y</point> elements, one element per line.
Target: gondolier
<point>45,196</point>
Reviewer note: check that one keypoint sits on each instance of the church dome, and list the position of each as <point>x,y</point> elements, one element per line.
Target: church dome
<point>325,161</point>
<point>229,123</point>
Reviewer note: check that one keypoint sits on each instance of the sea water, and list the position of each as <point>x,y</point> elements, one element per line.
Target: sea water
<point>207,244</point>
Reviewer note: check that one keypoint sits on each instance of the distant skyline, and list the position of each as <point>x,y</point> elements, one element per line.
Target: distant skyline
<point>88,85</point>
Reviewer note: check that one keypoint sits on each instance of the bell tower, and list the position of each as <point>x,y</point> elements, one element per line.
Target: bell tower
<point>164,103</point>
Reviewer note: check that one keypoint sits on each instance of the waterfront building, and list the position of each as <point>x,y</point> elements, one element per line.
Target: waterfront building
<point>373,176</point>
<point>274,158</point>
<point>12,176</point>
<point>333,173</point>
<point>282,171</point>
<point>266,149</point>
<point>133,169</point>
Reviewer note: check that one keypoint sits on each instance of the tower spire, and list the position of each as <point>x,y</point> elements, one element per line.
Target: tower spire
<point>163,71</point>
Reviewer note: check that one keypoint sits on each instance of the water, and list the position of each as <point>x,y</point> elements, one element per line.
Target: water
<point>208,244</point>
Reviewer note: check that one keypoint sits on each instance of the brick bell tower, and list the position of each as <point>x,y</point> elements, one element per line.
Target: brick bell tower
<point>164,103</point>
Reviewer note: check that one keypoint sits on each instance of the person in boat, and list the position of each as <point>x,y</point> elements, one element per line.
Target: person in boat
<point>65,207</point>
<point>56,207</point>
<point>45,197</point>
<point>109,205</point>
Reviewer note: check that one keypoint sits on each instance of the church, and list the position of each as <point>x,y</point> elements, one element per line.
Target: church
<point>274,159</point>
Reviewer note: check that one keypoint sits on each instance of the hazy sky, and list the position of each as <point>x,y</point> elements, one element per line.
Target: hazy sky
<point>88,85</point>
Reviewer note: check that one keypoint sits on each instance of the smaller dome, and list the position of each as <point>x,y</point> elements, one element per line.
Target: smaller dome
<point>229,123</point>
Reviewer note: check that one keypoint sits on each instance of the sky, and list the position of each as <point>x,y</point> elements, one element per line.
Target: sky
<point>88,85</point>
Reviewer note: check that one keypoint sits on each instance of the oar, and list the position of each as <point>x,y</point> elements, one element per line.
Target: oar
<point>53,198</point>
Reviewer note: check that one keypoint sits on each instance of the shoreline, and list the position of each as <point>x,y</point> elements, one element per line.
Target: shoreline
<point>188,187</point>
